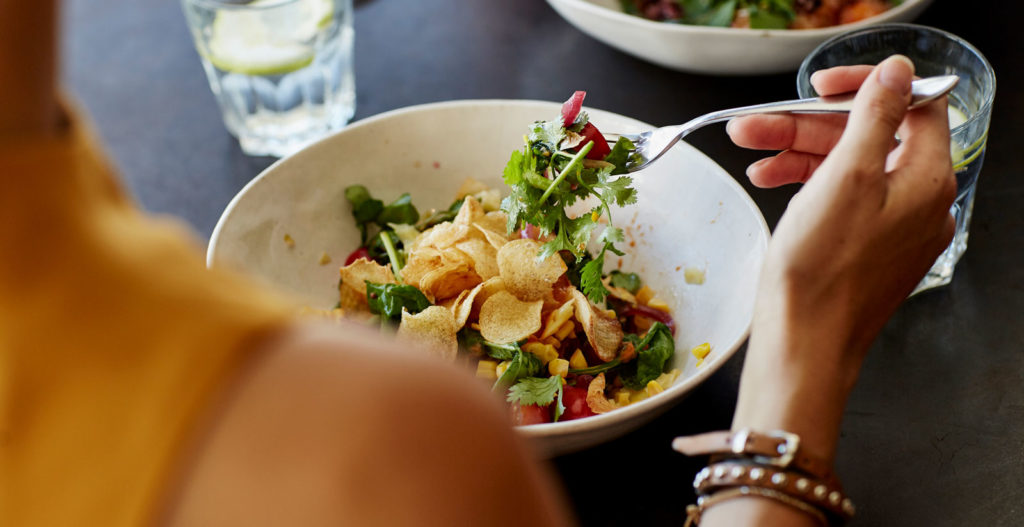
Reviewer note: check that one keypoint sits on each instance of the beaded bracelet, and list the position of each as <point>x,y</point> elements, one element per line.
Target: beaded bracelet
<point>694,512</point>
<point>815,492</point>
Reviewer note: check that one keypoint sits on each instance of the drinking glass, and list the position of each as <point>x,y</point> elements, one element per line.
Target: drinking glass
<point>934,52</point>
<point>281,70</point>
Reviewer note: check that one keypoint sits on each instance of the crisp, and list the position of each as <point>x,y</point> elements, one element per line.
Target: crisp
<point>524,275</point>
<point>504,318</point>
<point>432,329</point>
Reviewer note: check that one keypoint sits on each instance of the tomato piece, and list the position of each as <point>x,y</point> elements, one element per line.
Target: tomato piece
<point>575,401</point>
<point>530,414</point>
<point>571,108</point>
<point>600,150</point>
<point>357,254</point>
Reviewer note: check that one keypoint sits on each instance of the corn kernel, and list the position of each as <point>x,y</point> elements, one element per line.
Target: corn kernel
<point>552,341</point>
<point>545,352</point>
<point>622,397</point>
<point>657,303</point>
<point>487,369</point>
<point>693,276</point>
<point>637,396</point>
<point>594,216</point>
<point>499,370</point>
<point>701,351</point>
<point>289,241</point>
<point>642,323</point>
<point>559,367</point>
<point>666,379</point>
<point>653,388</point>
<point>325,259</point>
<point>644,295</point>
<point>565,330</point>
<point>577,361</point>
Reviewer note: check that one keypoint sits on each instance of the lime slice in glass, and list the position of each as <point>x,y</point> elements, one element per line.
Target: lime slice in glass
<point>269,37</point>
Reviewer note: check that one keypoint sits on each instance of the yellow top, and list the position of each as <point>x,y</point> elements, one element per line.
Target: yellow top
<point>114,339</point>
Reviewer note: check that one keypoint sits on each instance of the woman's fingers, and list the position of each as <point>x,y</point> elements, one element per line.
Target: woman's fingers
<point>788,167</point>
<point>840,79</point>
<point>812,133</point>
<point>878,110</point>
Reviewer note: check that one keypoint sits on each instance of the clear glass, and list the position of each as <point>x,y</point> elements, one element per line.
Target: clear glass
<point>281,70</point>
<point>934,52</point>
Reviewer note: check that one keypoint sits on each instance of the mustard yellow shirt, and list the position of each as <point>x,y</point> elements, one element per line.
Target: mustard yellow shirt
<point>114,340</point>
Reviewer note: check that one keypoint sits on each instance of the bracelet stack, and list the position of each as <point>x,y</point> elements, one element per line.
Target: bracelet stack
<point>767,465</point>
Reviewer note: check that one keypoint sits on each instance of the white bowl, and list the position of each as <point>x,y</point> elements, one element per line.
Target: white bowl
<point>712,50</point>
<point>691,213</point>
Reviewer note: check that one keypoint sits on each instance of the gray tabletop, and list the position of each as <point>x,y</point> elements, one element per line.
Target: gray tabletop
<point>934,432</point>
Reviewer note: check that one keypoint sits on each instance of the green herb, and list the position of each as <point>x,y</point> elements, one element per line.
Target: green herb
<point>389,299</point>
<point>522,364</point>
<point>628,281</point>
<point>545,178</point>
<point>369,212</point>
<point>396,261</point>
<point>600,368</point>
<point>653,351</point>
<point>540,391</point>
<point>471,338</point>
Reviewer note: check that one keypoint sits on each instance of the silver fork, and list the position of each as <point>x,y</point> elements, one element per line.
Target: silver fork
<point>653,144</point>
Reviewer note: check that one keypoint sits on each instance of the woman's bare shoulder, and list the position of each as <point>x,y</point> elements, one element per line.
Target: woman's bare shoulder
<point>337,426</point>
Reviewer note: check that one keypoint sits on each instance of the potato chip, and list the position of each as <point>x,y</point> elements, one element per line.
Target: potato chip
<point>484,258</point>
<point>596,400</point>
<point>432,329</point>
<point>469,213</point>
<point>524,275</point>
<point>618,292</point>
<point>420,262</point>
<point>495,221</point>
<point>603,330</point>
<point>462,306</point>
<point>448,281</point>
<point>441,236</point>
<point>504,318</point>
<point>487,288</point>
<point>497,240</point>
<point>558,317</point>
<point>469,187</point>
<point>352,290</point>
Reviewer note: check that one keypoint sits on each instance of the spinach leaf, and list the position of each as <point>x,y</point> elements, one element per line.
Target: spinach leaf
<point>653,351</point>
<point>365,209</point>
<point>399,211</point>
<point>523,364</point>
<point>389,299</point>
<point>629,281</point>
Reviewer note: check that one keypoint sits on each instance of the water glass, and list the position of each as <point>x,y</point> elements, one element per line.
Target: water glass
<point>281,70</point>
<point>934,52</point>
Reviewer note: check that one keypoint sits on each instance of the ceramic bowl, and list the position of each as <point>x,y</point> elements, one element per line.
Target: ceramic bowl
<point>691,214</point>
<point>710,50</point>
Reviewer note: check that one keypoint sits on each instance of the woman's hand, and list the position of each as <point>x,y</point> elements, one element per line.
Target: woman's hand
<point>869,222</point>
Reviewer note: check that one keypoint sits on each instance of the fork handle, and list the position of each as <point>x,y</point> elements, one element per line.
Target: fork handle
<point>922,91</point>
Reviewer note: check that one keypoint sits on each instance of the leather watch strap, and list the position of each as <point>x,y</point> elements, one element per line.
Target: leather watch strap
<point>780,449</point>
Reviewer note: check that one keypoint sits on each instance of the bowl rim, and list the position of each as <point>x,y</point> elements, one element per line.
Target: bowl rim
<point>598,10</point>
<point>632,411</point>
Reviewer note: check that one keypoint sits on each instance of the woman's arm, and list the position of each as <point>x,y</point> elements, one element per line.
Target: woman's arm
<point>28,67</point>
<point>851,246</point>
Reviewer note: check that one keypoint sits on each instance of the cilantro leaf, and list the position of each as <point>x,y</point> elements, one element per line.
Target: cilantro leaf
<point>590,280</point>
<point>540,391</point>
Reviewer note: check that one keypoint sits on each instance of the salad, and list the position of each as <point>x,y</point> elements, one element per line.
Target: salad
<point>510,286</point>
<point>759,14</point>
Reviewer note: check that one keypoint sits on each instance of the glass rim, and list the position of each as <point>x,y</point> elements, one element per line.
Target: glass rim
<point>989,90</point>
<point>228,4</point>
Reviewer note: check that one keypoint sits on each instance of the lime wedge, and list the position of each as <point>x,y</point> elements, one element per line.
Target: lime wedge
<point>266,39</point>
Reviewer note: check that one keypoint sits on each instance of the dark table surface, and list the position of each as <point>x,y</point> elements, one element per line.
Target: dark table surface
<point>934,432</point>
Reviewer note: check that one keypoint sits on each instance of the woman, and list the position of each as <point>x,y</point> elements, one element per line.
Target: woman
<point>136,387</point>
